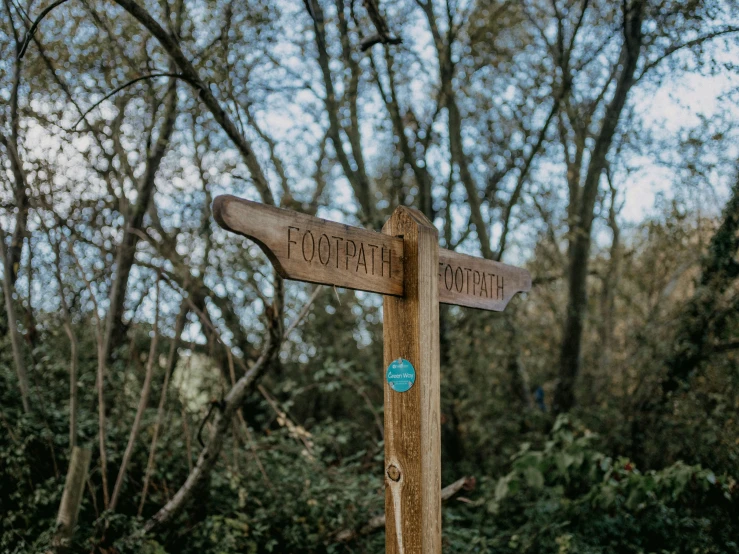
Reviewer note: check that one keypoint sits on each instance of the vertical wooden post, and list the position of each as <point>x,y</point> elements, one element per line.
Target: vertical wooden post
<point>412,418</point>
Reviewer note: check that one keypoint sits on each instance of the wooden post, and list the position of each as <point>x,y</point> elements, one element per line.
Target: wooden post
<point>412,418</point>
<point>74,487</point>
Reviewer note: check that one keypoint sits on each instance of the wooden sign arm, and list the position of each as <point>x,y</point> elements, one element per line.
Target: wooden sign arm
<point>307,248</point>
<point>479,283</point>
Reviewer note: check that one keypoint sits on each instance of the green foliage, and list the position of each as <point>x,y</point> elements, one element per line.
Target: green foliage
<point>558,493</point>
<point>567,496</point>
<point>298,506</point>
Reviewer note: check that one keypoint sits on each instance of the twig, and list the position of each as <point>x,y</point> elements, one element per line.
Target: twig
<point>383,32</point>
<point>32,30</point>
<point>123,86</point>
<point>171,360</point>
<point>100,380</point>
<point>304,310</point>
<point>143,401</point>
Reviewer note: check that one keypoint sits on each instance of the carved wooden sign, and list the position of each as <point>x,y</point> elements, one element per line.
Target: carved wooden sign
<point>405,264</point>
<point>306,248</point>
<point>315,250</point>
<point>479,283</point>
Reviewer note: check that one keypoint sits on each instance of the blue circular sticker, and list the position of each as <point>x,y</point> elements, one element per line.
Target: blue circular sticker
<point>400,375</point>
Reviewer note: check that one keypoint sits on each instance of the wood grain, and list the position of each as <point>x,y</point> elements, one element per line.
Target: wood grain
<point>479,283</point>
<point>307,248</point>
<point>412,420</point>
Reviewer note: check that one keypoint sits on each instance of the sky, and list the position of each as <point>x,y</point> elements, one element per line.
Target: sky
<point>673,108</point>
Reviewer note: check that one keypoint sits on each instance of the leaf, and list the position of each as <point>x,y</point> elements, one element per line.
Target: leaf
<point>501,489</point>
<point>635,498</point>
<point>534,477</point>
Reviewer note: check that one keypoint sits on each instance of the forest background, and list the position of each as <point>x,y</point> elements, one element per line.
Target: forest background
<point>593,142</point>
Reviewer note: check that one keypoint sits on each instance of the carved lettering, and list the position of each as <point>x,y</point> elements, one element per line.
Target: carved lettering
<point>289,242</point>
<point>346,251</point>
<point>459,279</point>
<point>475,281</point>
<point>387,261</point>
<point>448,277</point>
<point>373,247</point>
<point>337,248</point>
<point>361,260</point>
<point>471,281</point>
<point>352,250</point>
<point>484,287</point>
<point>320,251</point>
<point>312,247</point>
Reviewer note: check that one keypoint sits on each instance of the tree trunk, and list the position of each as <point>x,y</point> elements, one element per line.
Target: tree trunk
<point>74,487</point>
<point>115,329</point>
<point>353,168</point>
<point>171,362</point>
<point>608,293</point>
<point>143,403</point>
<point>20,364</point>
<point>580,231</point>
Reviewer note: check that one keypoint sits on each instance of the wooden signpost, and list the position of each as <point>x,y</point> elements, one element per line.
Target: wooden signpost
<point>405,264</point>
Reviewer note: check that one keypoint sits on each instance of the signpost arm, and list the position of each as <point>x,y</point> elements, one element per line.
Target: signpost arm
<point>412,418</point>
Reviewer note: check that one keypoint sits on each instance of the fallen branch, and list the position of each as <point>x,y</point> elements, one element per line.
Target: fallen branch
<point>378,522</point>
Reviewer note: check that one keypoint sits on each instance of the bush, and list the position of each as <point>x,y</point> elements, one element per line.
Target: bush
<point>568,497</point>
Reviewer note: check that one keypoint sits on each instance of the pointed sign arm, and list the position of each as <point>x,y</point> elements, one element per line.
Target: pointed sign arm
<point>307,248</point>
<point>479,283</point>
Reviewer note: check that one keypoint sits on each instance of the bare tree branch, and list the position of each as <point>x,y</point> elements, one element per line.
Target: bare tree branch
<point>37,21</point>
<point>143,402</point>
<point>190,74</point>
<point>120,88</point>
<point>383,35</point>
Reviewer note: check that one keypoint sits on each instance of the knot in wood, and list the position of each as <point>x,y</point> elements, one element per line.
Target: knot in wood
<point>393,473</point>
